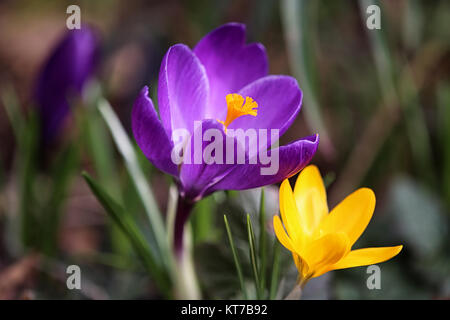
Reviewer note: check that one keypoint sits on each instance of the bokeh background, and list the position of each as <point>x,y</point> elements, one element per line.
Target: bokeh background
<point>380,100</point>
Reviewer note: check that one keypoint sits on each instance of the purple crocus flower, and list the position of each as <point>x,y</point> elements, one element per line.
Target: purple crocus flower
<point>221,84</point>
<point>63,76</point>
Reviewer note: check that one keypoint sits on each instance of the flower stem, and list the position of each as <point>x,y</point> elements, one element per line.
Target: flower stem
<point>185,279</point>
<point>295,294</point>
<point>184,208</point>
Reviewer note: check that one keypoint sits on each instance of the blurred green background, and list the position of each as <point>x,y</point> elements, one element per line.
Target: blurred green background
<point>380,100</point>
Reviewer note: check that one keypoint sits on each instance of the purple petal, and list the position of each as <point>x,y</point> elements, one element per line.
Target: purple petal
<point>150,134</point>
<point>292,158</point>
<point>230,64</point>
<point>182,89</point>
<point>279,100</point>
<point>65,73</point>
<point>197,176</point>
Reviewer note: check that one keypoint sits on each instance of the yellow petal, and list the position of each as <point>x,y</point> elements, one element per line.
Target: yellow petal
<point>281,234</point>
<point>367,256</point>
<point>290,216</point>
<point>352,215</point>
<point>297,261</point>
<point>301,265</point>
<point>310,197</point>
<point>326,251</point>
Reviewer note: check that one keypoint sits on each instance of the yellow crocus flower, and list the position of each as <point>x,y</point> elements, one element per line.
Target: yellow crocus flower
<point>322,241</point>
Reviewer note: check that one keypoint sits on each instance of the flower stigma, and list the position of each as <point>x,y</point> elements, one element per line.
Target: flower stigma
<point>238,107</point>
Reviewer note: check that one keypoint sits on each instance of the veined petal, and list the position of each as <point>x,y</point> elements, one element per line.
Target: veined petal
<point>229,64</point>
<point>326,251</point>
<point>352,215</point>
<point>301,265</point>
<point>204,164</point>
<point>150,134</point>
<point>183,89</point>
<point>367,256</point>
<point>291,216</point>
<point>311,197</point>
<point>281,234</point>
<point>279,100</point>
<point>291,159</point>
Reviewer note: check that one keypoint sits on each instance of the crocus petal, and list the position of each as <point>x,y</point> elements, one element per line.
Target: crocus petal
<point>367,256</point>
<point>326,251</point>
<point>311,197</point>
<point>291,217</point>
<point>63,75</point>
<point>183,89</point>
<point>281,234</point>
<point>301,265</point>
<point>201,168</point>
<point>279,100</point>
<point>292,158</point>
<point>150,134</point>
<point>352,215</point>
<point>229,63</point>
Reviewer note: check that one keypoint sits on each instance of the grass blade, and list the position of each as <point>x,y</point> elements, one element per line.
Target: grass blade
<point>12,108</point>
<point>100,147</point>
<point>275,270</point>
<point>253,259</point>
<point>145,192</point>
<point>262,241</point>
<point>28,160</point>
<point>297,20</point>
<point>236,258</point>
<point>63,170</point>
<point>133,233</point>
<point>101,151</point>
<point>381,54</point>
<point>406,96</point>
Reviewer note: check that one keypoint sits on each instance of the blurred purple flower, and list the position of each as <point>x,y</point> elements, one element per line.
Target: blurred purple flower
<point>63,76</point>
<point>194,85</point>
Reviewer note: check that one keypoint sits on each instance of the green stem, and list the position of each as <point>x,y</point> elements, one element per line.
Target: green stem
<point>235,258</point>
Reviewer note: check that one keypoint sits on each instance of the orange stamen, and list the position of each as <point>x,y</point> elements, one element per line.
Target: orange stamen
<point>237,107</point>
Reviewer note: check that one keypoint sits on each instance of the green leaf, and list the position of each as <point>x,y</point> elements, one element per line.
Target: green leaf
<point>275,270</point>
<point>26,132</point>
<point>253,258</point>
<point>416,128</point>
<point>262,241</point>
<point>236,258</point>
<point>123,220</point>
<point>28,160</point>
<point>145,192</point>
<point>101,150</point>
<point>381,54</point>
<point>63,171</point>
<point>297,17</point>
<point>13,111</point>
